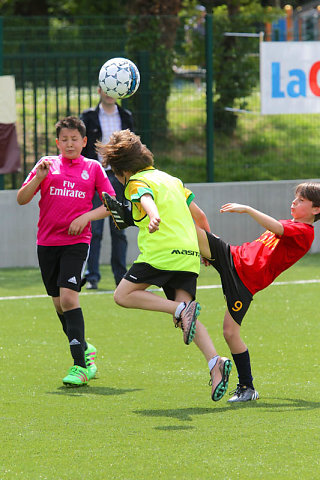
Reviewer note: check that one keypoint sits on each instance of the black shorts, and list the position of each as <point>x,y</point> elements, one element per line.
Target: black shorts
<point>168,280</point>
<point>237,296</point>
<point>62,266</point>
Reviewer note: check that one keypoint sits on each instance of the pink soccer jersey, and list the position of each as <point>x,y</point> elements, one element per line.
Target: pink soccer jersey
<point>66,193</point>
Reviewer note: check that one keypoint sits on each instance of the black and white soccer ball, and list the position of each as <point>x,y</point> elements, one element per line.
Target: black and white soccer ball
<point>119,78</point>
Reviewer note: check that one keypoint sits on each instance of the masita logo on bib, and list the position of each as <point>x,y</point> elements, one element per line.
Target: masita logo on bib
<point>85,175</point>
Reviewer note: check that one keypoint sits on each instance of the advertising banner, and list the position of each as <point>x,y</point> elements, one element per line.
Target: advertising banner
<point>290,77</point>
<point>9,148</point>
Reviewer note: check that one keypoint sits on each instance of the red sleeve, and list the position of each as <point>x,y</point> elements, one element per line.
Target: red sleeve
<point>300,233</point>
<point>295,228</point>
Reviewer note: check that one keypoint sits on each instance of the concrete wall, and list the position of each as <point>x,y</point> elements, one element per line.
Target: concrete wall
<point>19,223</point>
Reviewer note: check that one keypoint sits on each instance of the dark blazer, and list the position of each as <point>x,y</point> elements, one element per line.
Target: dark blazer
<point>90,118</point>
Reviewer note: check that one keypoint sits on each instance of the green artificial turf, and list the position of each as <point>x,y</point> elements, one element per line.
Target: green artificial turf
<point>149,414</point>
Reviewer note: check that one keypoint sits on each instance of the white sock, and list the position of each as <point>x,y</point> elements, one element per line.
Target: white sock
<point>179,309</point>
<point>212,362</point>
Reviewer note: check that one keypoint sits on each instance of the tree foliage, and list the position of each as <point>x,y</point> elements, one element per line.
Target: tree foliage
<point>153,30</point>
<point>235,66</point>
<point>151,27</point>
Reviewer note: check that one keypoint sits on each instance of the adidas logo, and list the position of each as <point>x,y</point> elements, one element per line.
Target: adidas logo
<point>73,280</point>
<point>117,216</point>
<point>74,342</point>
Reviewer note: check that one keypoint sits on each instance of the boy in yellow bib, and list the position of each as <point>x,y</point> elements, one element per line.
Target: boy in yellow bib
<point>170,257</point>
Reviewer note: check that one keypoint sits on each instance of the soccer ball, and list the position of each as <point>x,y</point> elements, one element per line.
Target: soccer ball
<point>119,78</point>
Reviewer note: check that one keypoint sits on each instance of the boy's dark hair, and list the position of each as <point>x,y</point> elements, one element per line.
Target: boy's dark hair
<point>310,191</point>
<point>72,123</point>
<point>125,152</point>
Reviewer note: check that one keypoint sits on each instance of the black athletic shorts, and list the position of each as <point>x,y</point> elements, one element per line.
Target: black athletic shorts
<point>237,296</point>
<point>62,266</point>
<point>168,280</point>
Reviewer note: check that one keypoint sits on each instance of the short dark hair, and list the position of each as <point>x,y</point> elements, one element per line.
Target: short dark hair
<point>72,123</point>
<point>310,191</point>
<point>125,152</point>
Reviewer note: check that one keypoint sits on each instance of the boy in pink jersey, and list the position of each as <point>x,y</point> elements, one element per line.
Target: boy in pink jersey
<point>251,267</point>
<point>67,184</point>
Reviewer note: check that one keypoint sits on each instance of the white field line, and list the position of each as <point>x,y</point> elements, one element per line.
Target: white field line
<point>200,287</point>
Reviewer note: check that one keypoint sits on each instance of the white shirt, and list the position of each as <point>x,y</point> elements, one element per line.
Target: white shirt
<point>110,122</point>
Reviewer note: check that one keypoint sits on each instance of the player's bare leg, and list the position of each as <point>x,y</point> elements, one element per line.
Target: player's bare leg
<point>219,367</point>
<point>231,333</point>
<point>203,242</point>
<point>135,295</point>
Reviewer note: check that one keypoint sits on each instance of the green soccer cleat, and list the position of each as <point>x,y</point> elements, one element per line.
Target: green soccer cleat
<point>90,355</point>
<point>220,378</point>
<point>76,377</point>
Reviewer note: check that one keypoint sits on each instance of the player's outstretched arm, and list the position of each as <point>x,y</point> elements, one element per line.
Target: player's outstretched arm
<point>264,220</point>
<point>199,217</point>
<point>203,242</point>
<point>151,210</point>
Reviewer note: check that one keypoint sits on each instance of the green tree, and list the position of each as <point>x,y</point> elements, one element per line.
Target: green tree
<point>152,29</point>
<point>62,7</point>
<point>236,69</point>
<point>24,7</point>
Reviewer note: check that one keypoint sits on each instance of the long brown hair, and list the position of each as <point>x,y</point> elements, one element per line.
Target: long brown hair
<point>125,152</point>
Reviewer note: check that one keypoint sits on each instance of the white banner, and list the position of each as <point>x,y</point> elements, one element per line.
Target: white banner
<point>290,77</point>
<point>7,99</point>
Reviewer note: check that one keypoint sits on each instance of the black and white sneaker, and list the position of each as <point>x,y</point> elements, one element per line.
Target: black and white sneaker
<point>120,213</point>
<point>243,394</point>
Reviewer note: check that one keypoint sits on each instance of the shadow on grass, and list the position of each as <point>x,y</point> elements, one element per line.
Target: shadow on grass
<point>271,404</point>
<point>288,404</point>
<point>182,414</point>
<point>89,390</point>
<point>174,428</point>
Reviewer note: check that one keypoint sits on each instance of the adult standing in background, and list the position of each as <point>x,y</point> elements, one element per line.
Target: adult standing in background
<point>100,123</point>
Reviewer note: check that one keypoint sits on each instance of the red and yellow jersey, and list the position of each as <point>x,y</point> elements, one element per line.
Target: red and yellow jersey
<point>258,263</point>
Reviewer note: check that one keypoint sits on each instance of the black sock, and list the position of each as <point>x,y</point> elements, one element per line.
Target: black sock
<point>242,362</point>
<point>64,327</point>
<point>75,331</point>
<point>63,322</point>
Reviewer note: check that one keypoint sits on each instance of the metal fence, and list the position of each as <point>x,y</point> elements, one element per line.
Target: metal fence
<point>56,73</point>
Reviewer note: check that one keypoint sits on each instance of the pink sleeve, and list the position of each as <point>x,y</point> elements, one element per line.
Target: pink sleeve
<point>31,175</point>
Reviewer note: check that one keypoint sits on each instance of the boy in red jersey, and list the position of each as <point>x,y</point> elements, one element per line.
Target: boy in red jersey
<point>67,184</point>
<point>251,267</point>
